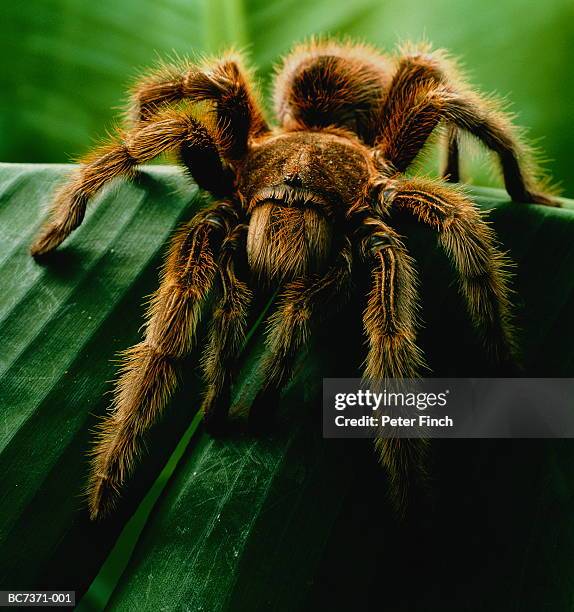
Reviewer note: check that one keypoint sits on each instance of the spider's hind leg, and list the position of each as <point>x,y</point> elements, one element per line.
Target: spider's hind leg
<point>426,89</point>
<point>451,168</point>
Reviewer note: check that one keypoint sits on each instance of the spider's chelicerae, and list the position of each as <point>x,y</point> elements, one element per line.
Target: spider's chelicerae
<point>306,200</point>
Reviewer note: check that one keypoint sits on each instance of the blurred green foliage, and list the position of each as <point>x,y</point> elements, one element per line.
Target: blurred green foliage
<point>67,63</point>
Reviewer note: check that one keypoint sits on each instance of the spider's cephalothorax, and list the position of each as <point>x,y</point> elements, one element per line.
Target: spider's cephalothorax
<point>298,188</point>
<point>306,201</point>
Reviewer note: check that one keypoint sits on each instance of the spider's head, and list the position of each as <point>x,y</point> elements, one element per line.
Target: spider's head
<point>296,186</point>
<point>328,170</point>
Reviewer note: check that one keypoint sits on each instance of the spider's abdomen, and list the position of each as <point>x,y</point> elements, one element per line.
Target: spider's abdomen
<point>288,241</point>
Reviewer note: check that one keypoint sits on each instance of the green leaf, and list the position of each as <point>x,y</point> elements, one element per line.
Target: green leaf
<point>241,514</point>
<point>61,325</point>
<point>295,522</point>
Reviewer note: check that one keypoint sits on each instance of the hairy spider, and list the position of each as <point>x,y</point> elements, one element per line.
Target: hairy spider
<point>305,201</point>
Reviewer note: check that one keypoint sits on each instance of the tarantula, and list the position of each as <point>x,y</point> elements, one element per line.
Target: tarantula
<point>304,201</point>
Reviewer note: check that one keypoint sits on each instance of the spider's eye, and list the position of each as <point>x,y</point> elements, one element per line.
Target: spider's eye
<point>293,180</point>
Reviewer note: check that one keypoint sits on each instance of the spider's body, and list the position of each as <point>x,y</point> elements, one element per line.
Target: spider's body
<point>304,203</point>
<point>297,188</point>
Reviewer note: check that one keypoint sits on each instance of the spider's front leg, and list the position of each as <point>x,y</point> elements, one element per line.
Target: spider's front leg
<point>390,323</point>
<point>390,318</point>
<point>470,243</point>
<point>148,375</point>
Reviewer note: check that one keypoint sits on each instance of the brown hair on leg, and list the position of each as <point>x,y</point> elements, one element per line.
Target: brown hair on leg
<point>227,330</point>
<point>225,83</point>
<point>408,115</point>
<point>148,376</point>
<point>427,89</point>
<point>390,318</point>
<point>390,321</point>
<point>483,119</point>
<point>470,243</point>
<point>120,157</point>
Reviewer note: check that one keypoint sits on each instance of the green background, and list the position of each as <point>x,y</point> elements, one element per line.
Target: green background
<point>67,63</point>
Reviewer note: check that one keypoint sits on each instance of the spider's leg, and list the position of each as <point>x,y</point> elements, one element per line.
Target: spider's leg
<point>120,157</point>
<point>325,83</point>
<point>390,317</point>
<point>148,376</point>
<point>418,66</point>
<point>225,84</point>
<point>471,245</point>
<point>482,119</point>
<point>420,97</point>
<point>300,302</point>
<point>227,332</point>
<point>451,169</point>
<point>390,323</point>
